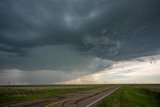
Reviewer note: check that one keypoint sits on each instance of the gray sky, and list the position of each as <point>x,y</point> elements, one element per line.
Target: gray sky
<point>73,37</point>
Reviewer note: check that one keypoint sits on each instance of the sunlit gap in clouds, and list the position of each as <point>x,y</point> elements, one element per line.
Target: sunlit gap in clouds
<point>135,71</point>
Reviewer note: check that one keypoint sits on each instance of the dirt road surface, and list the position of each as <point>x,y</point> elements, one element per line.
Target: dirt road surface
<point>80,99</point>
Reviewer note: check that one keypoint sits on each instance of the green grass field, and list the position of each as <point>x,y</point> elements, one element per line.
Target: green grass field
<point>16,94</point>
<point>133,96</point>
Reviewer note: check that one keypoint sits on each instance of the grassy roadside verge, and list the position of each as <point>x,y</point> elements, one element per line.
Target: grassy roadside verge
<point>131,96</point>
<point>10,95</point>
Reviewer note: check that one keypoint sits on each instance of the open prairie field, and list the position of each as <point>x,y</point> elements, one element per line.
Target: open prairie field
<point>135,95</point>
<point>17,94</point>
<point>141,95</point>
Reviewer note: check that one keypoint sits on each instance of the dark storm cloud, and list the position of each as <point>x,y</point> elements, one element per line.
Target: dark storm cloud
<point>30,30</point>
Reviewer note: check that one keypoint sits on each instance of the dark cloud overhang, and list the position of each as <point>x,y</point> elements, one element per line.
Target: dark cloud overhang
<point>122,29</point>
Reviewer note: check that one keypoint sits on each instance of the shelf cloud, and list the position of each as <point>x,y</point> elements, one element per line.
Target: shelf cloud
<point>80,36</point>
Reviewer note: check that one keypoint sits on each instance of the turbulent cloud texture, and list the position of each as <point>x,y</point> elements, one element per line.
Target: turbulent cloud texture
<point>76,35</point>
